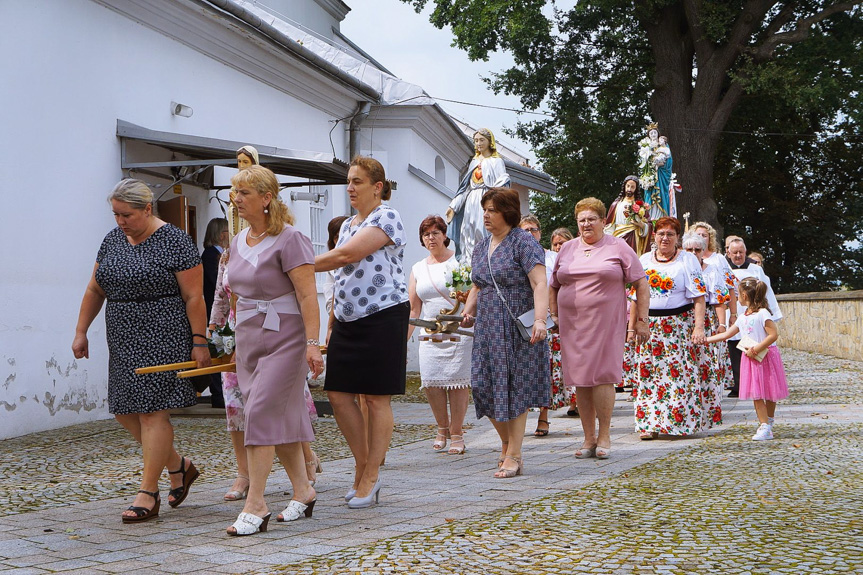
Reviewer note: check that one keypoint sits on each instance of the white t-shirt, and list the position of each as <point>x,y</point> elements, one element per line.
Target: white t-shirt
<point>673,284</point>
<point>377,281</point>
<point>752,326</point>
<point>755,271</point>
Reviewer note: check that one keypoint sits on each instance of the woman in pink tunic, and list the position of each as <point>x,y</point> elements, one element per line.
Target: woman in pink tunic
<point>587,298</point>
<point>272,272</point>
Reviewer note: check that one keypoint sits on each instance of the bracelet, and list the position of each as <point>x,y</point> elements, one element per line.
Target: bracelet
<point>199,335</point>
<point>630,331</point>
<point>200,345</point>
<point>722,325</point>
<point>313,342</point>
<point>542,321</point>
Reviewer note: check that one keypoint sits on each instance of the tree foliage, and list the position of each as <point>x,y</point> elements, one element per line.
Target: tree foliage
<point>705,69</point>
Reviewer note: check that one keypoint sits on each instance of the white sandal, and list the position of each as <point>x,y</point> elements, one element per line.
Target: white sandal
<point>295,510</point>
<point>249,524</point>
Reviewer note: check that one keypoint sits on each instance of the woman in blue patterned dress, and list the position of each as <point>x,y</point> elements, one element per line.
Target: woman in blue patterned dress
<point>508,374</point>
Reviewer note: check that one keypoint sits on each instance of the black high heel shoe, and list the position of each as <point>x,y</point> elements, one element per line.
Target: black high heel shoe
<point>142,513</point>
<point>190,474</point>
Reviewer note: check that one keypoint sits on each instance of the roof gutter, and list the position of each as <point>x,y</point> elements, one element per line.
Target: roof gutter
<point>253,20</point>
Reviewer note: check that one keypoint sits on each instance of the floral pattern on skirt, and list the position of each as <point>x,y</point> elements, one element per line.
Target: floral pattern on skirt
<point>560,394</point>
<point>670,395</point>
<point>233,402</point>
<point>714,357</point>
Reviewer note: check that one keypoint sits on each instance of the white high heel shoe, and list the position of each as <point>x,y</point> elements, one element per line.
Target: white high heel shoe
<point>363,502</point>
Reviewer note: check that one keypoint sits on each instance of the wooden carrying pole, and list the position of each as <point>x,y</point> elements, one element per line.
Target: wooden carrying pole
<point>230,367</point>
<point>178,366</point>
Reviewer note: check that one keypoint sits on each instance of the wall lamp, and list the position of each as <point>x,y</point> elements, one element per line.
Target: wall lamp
<point>181,110</point>
<point>316,197</point>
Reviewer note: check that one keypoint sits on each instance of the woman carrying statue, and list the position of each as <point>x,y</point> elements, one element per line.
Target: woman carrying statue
<point>622,220</point>
<point>464,215</point>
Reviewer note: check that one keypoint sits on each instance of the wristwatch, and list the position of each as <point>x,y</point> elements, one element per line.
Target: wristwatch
<point>644,319</point>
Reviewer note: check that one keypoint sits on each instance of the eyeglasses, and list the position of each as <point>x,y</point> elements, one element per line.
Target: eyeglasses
<point>666,234</point>
<point>696,250</point>
<point>531,230</point>
<point>434,234</point>
<point>588,221</point>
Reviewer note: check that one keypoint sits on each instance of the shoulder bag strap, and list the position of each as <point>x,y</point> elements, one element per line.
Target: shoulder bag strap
<point>434,285</point>
<point>499,294</point>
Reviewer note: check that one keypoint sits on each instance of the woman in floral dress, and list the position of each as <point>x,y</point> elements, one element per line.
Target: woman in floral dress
<point>714,364</point>
<point>668,397</point>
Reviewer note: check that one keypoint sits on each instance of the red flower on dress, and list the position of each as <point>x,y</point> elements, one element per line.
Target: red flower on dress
<point>717,416</point>
<point>678,417</point>
<point>639,414</point>
<point>675,372</point>
<point>645,372</point>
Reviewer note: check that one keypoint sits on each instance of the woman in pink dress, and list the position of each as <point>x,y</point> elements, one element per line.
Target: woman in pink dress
<point>587,298</point>
<point>272,272</point>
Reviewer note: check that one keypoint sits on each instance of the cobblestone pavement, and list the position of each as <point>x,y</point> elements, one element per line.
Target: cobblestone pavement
<point>39,471</point>
<point>718,503</point>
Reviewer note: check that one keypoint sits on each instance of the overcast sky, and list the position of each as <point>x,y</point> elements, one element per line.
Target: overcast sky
<point>414,50</point>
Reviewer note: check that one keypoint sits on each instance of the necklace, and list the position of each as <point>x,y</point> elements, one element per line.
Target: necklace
<point>254,237</point>
<point>657,258</point>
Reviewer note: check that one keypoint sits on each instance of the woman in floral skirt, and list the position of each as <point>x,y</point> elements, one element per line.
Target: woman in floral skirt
<point>668,396</point>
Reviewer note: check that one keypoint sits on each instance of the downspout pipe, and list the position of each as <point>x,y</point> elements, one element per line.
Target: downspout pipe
<point>354,129</point>
<point>253,20</point>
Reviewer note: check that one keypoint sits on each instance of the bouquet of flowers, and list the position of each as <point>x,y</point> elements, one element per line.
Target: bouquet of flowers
<point>636,212</point>
<point>221,341</point>
<point>459,279</point>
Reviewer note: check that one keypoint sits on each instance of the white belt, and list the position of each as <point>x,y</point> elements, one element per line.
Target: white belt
<point>272,308</point>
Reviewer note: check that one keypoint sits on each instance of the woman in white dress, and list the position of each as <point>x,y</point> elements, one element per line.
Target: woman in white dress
<point>444,365</point>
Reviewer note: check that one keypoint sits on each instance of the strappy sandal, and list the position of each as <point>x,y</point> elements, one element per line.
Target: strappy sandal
<point>603,452</point>
<point>541,432</point>
<point>500,459</point>
<point>647,435</point>
<point>313,467</point>
<point>457,449</point>
<point>504,473</point>
<point>236,494</point>
<point>440,441</point>
<point>142,513</point>
<point>190,474</point>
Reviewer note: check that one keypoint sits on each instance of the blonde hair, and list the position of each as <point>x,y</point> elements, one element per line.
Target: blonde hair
<point>263,181</point>
<point>711,234</point>
<point>530,219</point>
<point>590,204</point>
<point>562,233</point>
<point>133,192</point>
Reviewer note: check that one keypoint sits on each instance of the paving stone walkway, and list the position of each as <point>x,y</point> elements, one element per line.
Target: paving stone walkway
<point>718,503</point>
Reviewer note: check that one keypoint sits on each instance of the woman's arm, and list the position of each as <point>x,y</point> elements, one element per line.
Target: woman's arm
<point>191,282</point>
<point>540,302</point>
<point>728,333</point>
<point>365,243</point>
<point>552,304</point>
<point>469,313</point>
<point>640,329</point>
<point>720,309</point>
<point>303,278</point>
<point>698,330</point>
<point>91,303</point>
<point>416,302</point>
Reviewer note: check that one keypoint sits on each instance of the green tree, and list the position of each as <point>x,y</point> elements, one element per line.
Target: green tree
<point>603,67</point>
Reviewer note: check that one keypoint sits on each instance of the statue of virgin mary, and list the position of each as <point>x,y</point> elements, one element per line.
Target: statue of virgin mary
<point>464,215</point>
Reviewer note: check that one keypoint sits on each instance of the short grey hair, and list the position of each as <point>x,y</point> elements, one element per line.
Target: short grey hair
<point>736,240</point>
<point>134,192</point>
<point>694,240</point>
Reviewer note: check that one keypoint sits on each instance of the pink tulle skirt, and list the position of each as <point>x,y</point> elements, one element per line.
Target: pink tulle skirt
<point>763,380</point>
